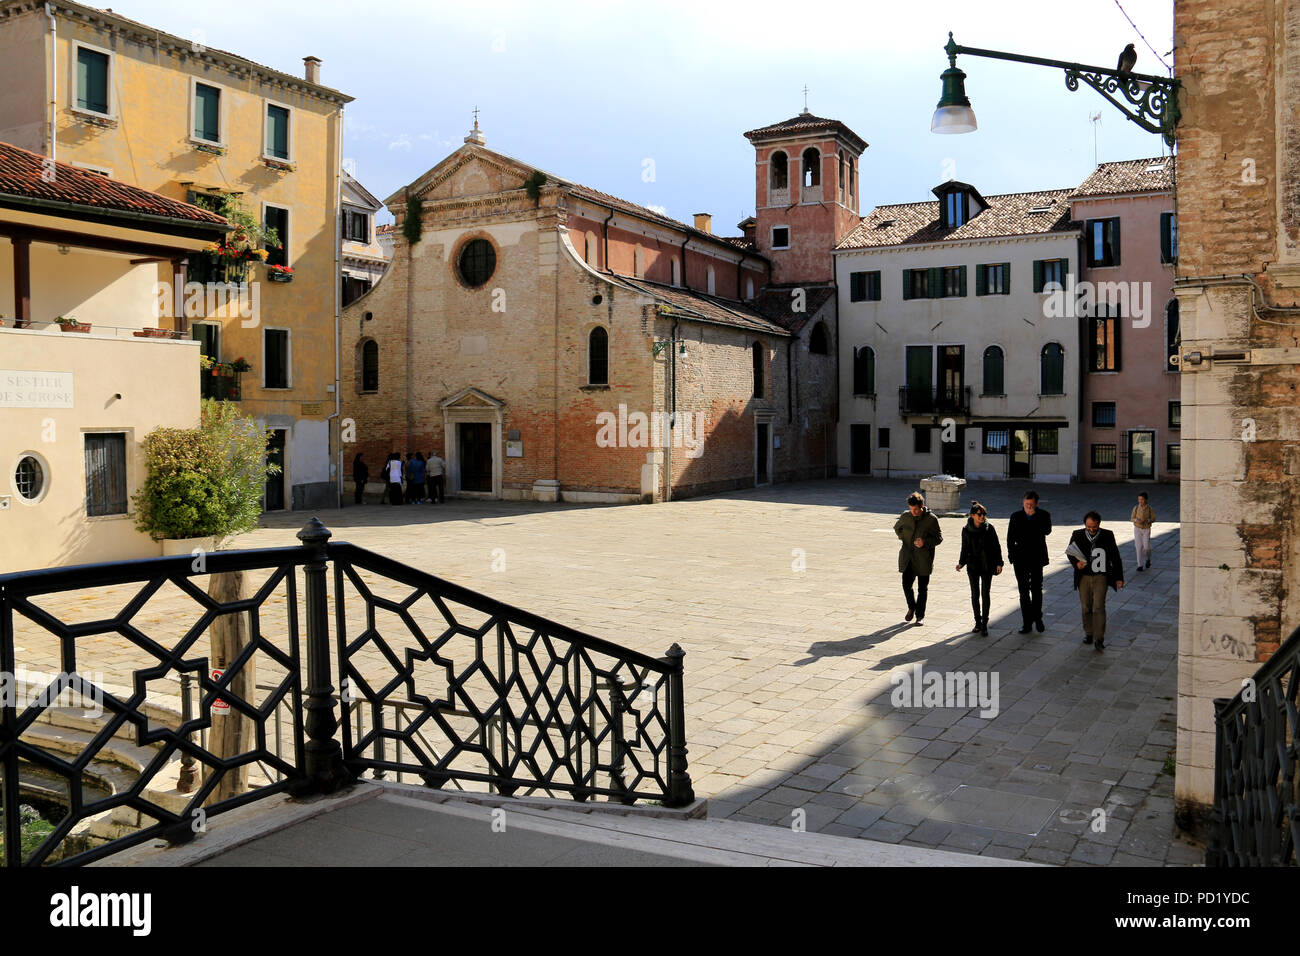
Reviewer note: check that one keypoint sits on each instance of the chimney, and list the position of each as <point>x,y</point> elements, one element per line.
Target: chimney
<point>311,70</point>
<point>748,227</point>
<point>704,222</point>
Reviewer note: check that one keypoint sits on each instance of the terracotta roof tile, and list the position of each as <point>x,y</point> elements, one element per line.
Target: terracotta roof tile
<point>776,303</point>
<point>806,123</point>
<point>23,174</point>
<point>595,195</point>
<point>1011,214</point>
<point>708,307</point>
<point>1128,176</point>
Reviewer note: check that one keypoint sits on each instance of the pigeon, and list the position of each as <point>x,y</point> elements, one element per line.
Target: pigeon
<point>1127,59</point>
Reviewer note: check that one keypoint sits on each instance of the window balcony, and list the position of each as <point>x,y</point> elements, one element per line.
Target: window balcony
<point>949,400</point>
<point>221,382</point>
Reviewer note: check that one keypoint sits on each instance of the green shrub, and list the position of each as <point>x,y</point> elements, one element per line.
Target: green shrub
<point>413,220</point>
<point>205,481</point>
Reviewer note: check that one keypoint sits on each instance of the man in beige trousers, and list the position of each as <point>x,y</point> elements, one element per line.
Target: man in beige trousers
<point>1143,518</point>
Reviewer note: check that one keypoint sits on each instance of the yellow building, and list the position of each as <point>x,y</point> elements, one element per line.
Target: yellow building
<point>76,401</point>
<point>97,90</point>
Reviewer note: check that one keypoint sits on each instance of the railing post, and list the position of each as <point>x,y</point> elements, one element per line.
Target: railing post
<point>680,792</point>
<point>322,770</point>
<point>1214,852</point>
<point>188,776</point>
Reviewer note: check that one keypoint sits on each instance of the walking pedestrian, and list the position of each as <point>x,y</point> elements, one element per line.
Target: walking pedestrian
<point>981,555</point>
<point>435,467</point>
<point>1027,533</point>
<point>918,529</point>
<point>360,474</point>
<point>393,469</point>
<point>1097,566</point>
<point>1143,518</point>
<point>406,473</point>
<point>416,492</point>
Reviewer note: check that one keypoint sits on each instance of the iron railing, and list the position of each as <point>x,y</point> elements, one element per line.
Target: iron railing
<point>1256,819</point>
<point>434,680</point>
<point>946,400</point>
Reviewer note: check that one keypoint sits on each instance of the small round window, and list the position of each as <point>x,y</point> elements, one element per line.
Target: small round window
<point>478,260</point>
<point>29,478</point>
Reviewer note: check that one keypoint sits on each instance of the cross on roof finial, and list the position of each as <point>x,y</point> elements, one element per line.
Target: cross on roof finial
<point>476,116</point>
<point>805,98</point>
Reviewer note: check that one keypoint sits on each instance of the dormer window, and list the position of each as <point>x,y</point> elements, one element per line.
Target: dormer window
<point>954,210</point>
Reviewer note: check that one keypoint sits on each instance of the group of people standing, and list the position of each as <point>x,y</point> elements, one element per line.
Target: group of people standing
<point>1092,552</point>
<point>424,478</point>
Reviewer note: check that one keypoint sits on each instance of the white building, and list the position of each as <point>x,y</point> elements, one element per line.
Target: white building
<point>954,360</point>
<point>364,258</point>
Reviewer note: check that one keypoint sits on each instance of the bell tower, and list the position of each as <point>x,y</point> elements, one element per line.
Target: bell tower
<point>806,194</point>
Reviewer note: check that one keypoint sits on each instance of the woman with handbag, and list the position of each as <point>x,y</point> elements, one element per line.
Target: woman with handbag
<point>981,556</point>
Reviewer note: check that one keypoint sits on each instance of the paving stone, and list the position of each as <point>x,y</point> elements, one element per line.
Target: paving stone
<point>886,832</point>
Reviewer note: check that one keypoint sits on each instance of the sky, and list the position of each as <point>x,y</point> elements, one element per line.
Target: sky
<point>591,91</point>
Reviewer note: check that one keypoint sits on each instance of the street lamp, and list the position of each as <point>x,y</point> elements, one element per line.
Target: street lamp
<point>1154,99</point>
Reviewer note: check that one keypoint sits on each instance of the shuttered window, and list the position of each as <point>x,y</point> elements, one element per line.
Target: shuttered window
<point>92,80</point>
<point>277,219</point>
<point>1168,237</point>
<point>276,358</point>
<point>207,113</point>
<point>106,474</point>
<point>277,132</point>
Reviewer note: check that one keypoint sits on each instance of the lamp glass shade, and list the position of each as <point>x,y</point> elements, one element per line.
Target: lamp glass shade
<point>953,119</point>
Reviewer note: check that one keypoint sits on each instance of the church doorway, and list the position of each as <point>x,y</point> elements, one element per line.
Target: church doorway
<point>475,447</point>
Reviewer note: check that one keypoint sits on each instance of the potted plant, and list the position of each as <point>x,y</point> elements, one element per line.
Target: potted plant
<point>153,334</point>
<point>202,487</point>
<point>240,365</point>
<point>69,324</point>
<point>279,273</point>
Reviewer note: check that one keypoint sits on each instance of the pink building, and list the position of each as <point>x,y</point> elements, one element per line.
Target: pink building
<point>1128,321</point>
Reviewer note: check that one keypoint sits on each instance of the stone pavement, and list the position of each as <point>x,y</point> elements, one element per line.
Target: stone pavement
<point>787,602</point>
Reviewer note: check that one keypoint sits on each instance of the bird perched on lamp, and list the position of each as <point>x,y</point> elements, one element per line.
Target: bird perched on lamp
<point>1127,59</point>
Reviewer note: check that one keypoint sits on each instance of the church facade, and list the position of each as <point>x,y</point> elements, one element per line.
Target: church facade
<point>553,342</point>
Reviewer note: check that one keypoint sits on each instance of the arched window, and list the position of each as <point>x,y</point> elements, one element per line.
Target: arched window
<point>864,371</point>
<point>993,364</point>
<point>711,281</point>
<point>853,182</point>
<point>1052,370</point>
<point>760,360</point>
<point>817,343</point>
<point>677,272</point>
<point>369,366</point>
<point>591,250</point>
<point>1171,334</point>
<point>749,288</point>
<point>598,357</point>
<point>843,181</point>
<point>812,167</point>
<point>780,170</point>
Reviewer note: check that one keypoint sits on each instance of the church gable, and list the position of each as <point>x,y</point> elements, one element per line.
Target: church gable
<point>470,172</point>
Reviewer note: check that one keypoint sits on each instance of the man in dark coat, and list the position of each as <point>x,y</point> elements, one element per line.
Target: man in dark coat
<point>918,529</point>
<point>1097,565</point>
<point>360,474</point>
<point>1027,533</point>
<point>981,555</point>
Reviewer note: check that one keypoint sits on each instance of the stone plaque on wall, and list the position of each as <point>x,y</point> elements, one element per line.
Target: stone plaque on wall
<point>310,409</point>
<point>20,388</point>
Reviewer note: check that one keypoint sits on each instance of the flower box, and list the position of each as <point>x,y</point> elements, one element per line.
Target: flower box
<point>278,165</point>
<point>73,327</point>
<point>279,276</point>
<point>153,334</point>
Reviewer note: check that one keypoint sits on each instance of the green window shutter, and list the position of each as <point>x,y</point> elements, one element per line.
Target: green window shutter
<point>92,80</point>
<point>1065,270</point>
<point>1119,322</point>
<point>961,281</point>
<point>277,132</point>
<point>1006,278</point>
<point>1166,244</point>
<point>1115,239</point>
<point>981,280</point>
<point>1038,275</point>
<point>934,283</point>
<point>907,283</point>
<point>873,292</point>
<point>207,112</point>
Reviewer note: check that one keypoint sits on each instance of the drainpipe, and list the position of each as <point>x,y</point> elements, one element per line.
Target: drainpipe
<point>672,415</point>
<point>338,305</point>
<point>685,283</point>
<point>54,79</point>
<point>605,232</point>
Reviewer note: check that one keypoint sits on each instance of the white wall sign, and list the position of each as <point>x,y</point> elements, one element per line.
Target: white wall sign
<point>20,388</point>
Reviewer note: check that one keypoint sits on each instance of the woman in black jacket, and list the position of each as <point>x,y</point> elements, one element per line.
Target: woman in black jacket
<point>981,556</point>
